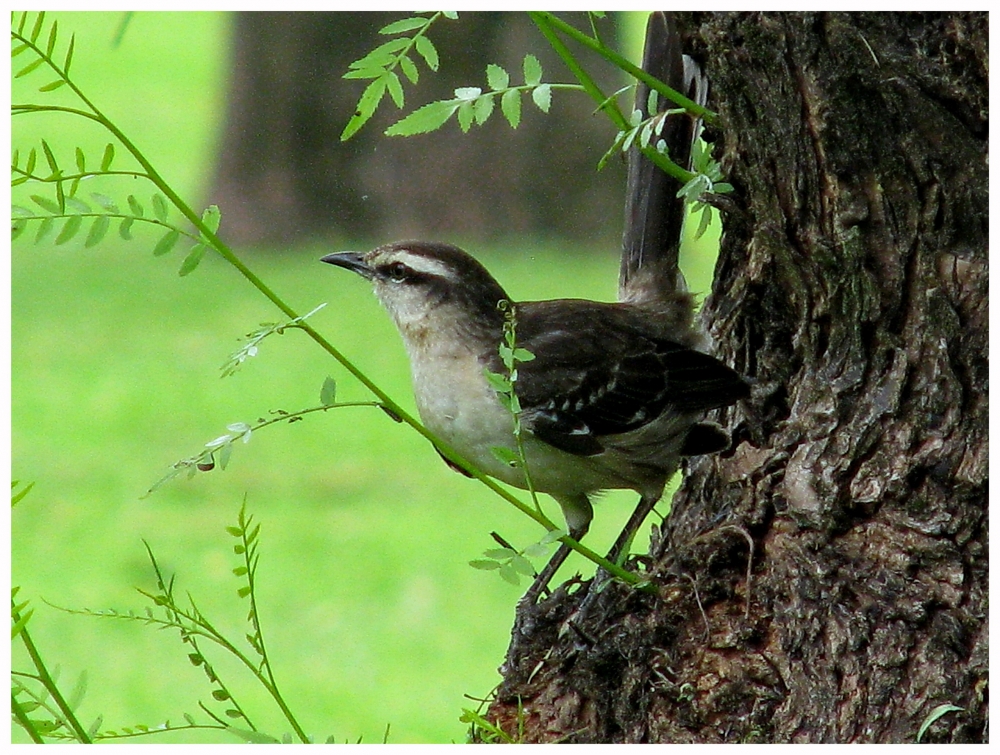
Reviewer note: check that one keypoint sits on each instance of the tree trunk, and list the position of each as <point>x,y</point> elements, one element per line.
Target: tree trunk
<point>852,289</point>
<point>284,175</point>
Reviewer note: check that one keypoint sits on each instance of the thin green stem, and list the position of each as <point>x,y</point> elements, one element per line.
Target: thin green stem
<point>29,109</point>
<point>200,626</point>
<point>48,682</point>
<point>114,215</point>
<point>75,176</point>
<point>608,105</point>
<point>626,65</point>
<point>156,730</point>
<point>547,23</point>
<point>24,720</point>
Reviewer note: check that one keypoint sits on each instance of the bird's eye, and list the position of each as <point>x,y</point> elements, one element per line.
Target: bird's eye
<point>398,272</point>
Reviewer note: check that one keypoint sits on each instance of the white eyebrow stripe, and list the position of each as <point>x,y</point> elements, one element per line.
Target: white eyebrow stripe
<point>421,264</point>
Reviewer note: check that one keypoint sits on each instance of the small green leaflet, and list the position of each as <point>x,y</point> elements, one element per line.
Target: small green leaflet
<point>192,260</point>
<point>406,24</point>
<point>211,217</point>
<point>496,77</point>
<point>328,393</point>
<point>425,119</point>
<point>166,243</point>
<point>532,71</point>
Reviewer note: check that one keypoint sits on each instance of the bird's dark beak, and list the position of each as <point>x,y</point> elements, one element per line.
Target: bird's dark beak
<point>353,261</point>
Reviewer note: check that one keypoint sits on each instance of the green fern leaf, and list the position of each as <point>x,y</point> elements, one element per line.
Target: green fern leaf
<point>424,120</point>
<point>97,231</point>
<point>510,104</point>
<point>46,204</point>
<point>44,228</point>
<point>50,157</point>
<point>134,206</point>
<point>192,260</point>
<point>160,208</point>
<point>542,96</point>
<point>328,393</point>
<point>69,230</point>
<point>532,71</point>
<point>409,69</point>
<point>395,88</point>
<point>405,24</point>
<point>109,156</point>
<point>78,205</point>
<point>53,34</point>
<point>211,217</point>
<point>37,29</point>
<point>51,86</point>
<point>428,52</point>
<point>166,243</point>
<point>69,55</point>
<point>106,202</point>
<point>496,77</point>
<point>367,106</point>
<point>29,68</point>
<point>483,108</point>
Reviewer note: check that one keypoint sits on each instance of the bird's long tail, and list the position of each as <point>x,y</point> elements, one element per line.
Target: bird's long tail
<point>654,215</point>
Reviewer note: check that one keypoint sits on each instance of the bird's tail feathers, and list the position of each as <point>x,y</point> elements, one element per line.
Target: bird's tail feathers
<point>654,214</point>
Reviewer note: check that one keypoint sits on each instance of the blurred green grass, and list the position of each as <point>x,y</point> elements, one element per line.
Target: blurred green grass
<point>371,613</point>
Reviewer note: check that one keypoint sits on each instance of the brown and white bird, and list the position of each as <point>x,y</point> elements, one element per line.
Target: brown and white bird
<point>612,399</point>
<point>616,393</point>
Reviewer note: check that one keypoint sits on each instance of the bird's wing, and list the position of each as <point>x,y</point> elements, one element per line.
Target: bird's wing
<point>597,373</point>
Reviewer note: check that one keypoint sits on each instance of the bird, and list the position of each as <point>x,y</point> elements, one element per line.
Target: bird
<point>615,394</point>
<point>613,398</point>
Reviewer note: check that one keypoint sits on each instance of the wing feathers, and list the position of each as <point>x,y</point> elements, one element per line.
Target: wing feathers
<point>602,373</point>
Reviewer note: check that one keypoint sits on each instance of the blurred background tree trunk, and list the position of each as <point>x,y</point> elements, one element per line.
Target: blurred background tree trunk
<point>284,175</point>
<point>852,289</point>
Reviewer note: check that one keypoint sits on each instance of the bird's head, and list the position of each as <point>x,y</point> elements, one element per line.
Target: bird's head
<point>428,287</point>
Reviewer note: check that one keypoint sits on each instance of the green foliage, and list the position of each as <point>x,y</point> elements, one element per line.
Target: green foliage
<point>511,564</point>
<point>706,181</point>
<point>37,703</point>
<point>43,57</point>
<point>482,730</point>
<point>934,715</point>
<point>73,214</point>
<point>199,634</point>
<point>505,385</point>
<point>250,348</point>
<point>381,64</point>
<point>219,450</point>
<point>474,106</point>
<point>66,208</point>
<point>17,497</point>
<point>471,105</point>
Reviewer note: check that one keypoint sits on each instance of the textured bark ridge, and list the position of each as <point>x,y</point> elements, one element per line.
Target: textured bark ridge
<point>852,289</point>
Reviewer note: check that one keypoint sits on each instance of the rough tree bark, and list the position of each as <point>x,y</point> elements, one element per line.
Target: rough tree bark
<point>852,289</point>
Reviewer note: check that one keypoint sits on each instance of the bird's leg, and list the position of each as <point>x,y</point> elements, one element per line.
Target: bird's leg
<point>642,509</point>
<point>541,582</point>
<point>578,513</point>
<point>524,616</point>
